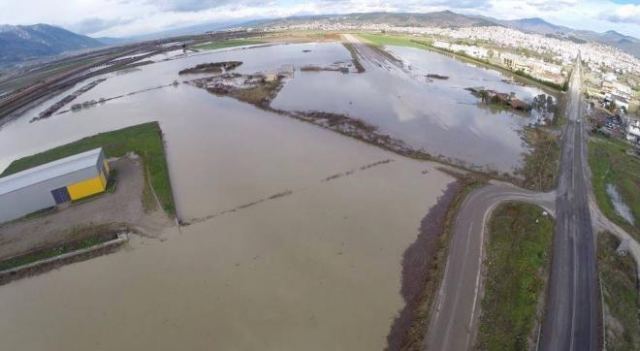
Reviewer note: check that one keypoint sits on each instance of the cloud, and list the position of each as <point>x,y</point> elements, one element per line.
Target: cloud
<point>136,17</point>
<point>95,24</point>
<point>198,5</point>
<point>623,14</point>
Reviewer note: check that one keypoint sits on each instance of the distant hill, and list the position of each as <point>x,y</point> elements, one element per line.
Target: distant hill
<point>113,41</point>
<point>437,19</point>
<point>451,19</point>
<point>535,25</point>
<point>623,42</point>
<point>21,43</point>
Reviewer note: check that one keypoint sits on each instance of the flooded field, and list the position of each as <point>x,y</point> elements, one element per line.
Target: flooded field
<point>317,268</point>
<point>439,117</point>
<point>620,207</point>
<point>295,234</point>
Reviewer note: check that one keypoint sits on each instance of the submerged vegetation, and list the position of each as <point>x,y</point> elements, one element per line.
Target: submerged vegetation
<point>517,258</point>
<point>144,140</point>
<point>213,67</point>
<point>619,278</point>
<point>611,165</point>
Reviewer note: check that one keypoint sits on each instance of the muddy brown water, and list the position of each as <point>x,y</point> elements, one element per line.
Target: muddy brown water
<point>317,269</point>
<point>315,266</point>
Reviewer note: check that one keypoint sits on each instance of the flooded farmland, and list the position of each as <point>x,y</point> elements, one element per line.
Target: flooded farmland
<point>296,233</point>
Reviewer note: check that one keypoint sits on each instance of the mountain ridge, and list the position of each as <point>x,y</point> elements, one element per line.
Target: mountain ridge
<point>19,43</point>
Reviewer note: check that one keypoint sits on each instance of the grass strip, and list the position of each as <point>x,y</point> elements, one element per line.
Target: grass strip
<point>619,281</point>
<point>610,164</point>
<point>144,139</point>
<point>517,259</point>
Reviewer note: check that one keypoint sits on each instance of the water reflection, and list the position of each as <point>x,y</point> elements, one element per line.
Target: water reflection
<point>439,117</point>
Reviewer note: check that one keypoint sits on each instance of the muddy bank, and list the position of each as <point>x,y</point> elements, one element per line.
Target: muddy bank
<point>214,67</point>
<point>47,255</point>
<point>423,265</point>
<point>333,68</point>
<point>354,57</point>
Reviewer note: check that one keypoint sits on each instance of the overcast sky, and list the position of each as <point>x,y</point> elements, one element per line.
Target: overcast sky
<point>120,18</point>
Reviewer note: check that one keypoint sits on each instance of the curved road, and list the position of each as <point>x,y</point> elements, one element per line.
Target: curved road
<point>453,323</point>
<point>572,316</point>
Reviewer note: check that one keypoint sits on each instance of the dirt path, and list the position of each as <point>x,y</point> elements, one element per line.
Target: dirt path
<point>374,57</point>
<point>124,205</point>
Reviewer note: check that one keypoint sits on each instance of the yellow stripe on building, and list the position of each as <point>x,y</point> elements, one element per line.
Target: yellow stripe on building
<point>87,187</point>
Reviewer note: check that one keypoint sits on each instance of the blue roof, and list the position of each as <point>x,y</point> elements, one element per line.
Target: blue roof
<point>49,170</point>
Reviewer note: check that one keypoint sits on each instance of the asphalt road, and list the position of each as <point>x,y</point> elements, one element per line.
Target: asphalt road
<point>573,307</point>
<point>454,320</point>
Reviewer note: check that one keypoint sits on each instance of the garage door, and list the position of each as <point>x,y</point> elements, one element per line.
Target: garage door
<point>61,195</point>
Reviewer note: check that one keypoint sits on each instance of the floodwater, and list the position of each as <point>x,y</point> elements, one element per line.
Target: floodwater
<point>439,116</point>
<point>310,259</point>
<point>618,204</point>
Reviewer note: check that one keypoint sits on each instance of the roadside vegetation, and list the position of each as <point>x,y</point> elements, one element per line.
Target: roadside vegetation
<point>424,263</point>
<point>610,164</point>
<point>221,44</point>
<point>144,140</point>
<point>619,279</point>
<point>517,261</point>
<point>542,163</point>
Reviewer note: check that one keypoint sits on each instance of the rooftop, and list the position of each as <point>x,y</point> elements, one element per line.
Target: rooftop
<point>49,170</point>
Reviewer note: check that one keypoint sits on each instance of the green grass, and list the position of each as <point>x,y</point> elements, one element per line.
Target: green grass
<point>619,281</point>
<point>380,40</point>
<point>143,139</point>
<point>226,44</point>
<point>611,165</point>
<point>98,234</point>
<point>517,257</point>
